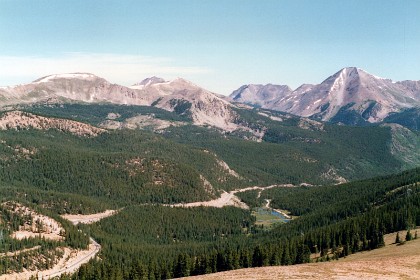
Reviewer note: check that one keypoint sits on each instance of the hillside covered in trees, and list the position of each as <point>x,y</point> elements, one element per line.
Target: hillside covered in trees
<point>172,242</point>
<point>143,170</point>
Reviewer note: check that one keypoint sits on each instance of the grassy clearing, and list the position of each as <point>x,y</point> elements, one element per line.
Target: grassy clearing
<point>264,217</point>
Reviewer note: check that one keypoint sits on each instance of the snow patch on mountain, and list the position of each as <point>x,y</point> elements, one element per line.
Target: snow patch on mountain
<point>148,82</point>
<point>65,76</point>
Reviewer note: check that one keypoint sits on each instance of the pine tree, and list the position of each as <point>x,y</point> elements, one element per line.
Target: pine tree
<point>303,254</point>
<point>408,236</point>
<point>397,238</point>
<point>182,267</point>
<point>285,259</point>
<point>257,258</point>
<point>245,259</point>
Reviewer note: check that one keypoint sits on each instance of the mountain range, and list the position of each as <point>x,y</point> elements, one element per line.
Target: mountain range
<point>350,96</point>
<point>179,95</point>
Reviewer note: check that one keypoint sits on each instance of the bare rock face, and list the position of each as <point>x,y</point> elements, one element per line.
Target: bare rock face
<point>350,89</point>
<point>351,96</point>
<point>413,87</point>
<point>21,120</point>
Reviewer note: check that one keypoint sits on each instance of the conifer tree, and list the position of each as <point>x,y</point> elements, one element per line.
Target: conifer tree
<point>285,259</point>
<point>257,257</point>
<point>408,236</point>
<point>397,238</point>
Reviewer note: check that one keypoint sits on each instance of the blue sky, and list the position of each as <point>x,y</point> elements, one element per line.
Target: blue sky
<point>217,44</point>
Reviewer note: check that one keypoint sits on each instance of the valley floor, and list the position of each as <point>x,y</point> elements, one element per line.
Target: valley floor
<point>228,198</point>
<point>389,262</point>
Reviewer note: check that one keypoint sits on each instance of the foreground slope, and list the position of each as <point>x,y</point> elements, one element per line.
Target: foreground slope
<point>389,262</point>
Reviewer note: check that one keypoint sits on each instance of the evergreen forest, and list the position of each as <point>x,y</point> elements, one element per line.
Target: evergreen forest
<point>347,187</point>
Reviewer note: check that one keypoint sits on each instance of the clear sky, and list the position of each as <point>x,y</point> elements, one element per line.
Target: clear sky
<point>217,44</point>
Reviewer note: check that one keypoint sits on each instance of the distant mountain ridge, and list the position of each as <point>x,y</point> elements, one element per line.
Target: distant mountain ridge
<point>260,95</point>
<point>350,96</point>
<point>179,95</point>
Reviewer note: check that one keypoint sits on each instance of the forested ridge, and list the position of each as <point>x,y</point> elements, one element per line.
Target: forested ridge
<point>289,152</point>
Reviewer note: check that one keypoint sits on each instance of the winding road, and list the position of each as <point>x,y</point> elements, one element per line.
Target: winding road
<point>74,265</point>
<point>72,259</point>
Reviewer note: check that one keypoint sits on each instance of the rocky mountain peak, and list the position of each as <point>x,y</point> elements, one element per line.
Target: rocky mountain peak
<point>149,81</point>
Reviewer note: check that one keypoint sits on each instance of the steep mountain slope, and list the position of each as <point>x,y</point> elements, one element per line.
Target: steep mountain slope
<point>412,86</point>
<point>350,96</point>
<point>185,98</point>
<point>260,95</point>
<point>163,159</point>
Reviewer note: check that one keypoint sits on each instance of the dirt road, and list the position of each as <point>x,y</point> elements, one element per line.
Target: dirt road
<point>72,259</point>
<point>228,198</point>
<point>88,219</point>
<point>73,263</point>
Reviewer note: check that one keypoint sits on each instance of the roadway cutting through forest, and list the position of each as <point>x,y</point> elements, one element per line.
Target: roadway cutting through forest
<point>229,198</point>
<point>71,260</point>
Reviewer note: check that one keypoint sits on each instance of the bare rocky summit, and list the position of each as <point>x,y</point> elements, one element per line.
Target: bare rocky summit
<point>351,96</point>
<point>186,98</point>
